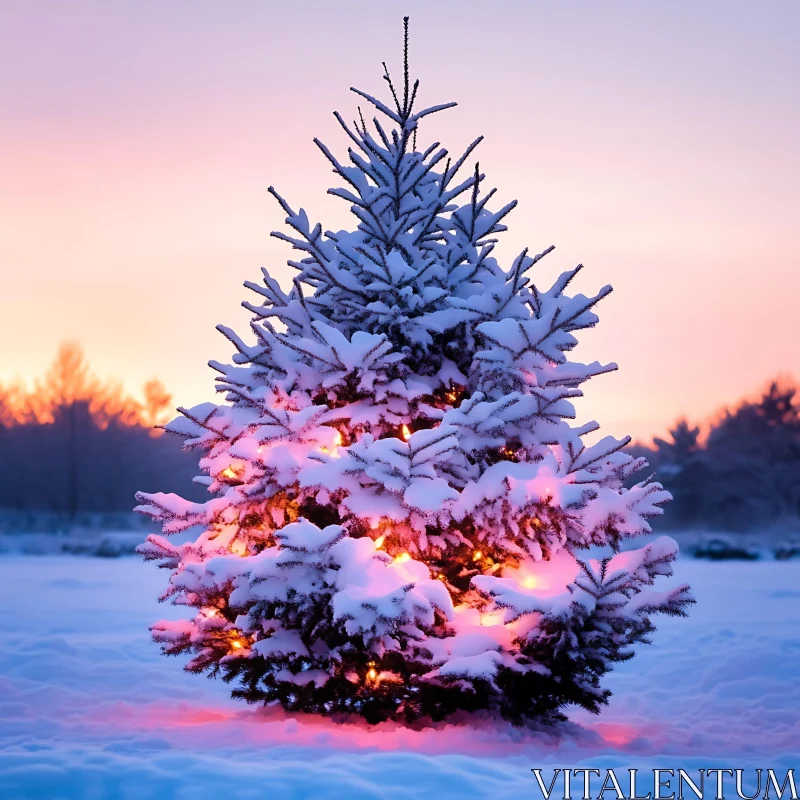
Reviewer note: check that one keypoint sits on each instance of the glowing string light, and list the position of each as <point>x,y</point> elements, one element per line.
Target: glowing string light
<point>337,442</point>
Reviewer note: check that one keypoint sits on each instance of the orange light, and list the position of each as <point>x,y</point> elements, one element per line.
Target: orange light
<point>236,644</point>
<point>372,674</point>
<point>477,555</point>
<point>337,441</point>
<point>451,396</point>
<point>530,582</point>
<point>379,542</point>
<point>238,548</point>
<point>402,558</point>
<point>230,473</point>
<point>211,612</point>
<point>406,433</point>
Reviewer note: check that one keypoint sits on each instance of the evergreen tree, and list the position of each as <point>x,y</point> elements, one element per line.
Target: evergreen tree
<point>745,476</point>
<point>679,448</point>
<point>753,456</point>
<point>400,509</point>
<point>76,445</point>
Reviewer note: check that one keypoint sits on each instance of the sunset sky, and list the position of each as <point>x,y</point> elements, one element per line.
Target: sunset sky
<point>655,143</point>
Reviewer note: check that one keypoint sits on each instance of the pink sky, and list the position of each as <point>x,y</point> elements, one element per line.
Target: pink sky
<point>657,144</point>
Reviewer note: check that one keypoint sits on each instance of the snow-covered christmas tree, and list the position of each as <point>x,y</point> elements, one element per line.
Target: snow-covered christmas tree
<point>403,522</point>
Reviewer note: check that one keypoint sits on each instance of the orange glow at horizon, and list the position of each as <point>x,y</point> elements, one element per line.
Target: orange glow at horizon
<point>135,202</point>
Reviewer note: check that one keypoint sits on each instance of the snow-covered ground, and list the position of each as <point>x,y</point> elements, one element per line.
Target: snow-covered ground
<point>88,707</point>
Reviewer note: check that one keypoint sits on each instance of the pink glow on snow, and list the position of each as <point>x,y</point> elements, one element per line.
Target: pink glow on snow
<point>623,734</point>
<point>184,723</point>
<point>546,578</point>
<point>160,715</point>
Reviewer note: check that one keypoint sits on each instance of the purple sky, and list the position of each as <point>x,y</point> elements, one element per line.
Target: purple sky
<point>655,143</point>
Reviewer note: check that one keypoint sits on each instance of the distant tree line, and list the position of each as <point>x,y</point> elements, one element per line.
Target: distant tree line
<point>744,475</point>
<point>73,444</point>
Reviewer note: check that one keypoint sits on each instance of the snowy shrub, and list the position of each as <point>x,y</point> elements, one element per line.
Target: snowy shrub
<point>399,503</point>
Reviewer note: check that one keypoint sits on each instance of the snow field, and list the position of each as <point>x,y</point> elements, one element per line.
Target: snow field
<point>89,709</point>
